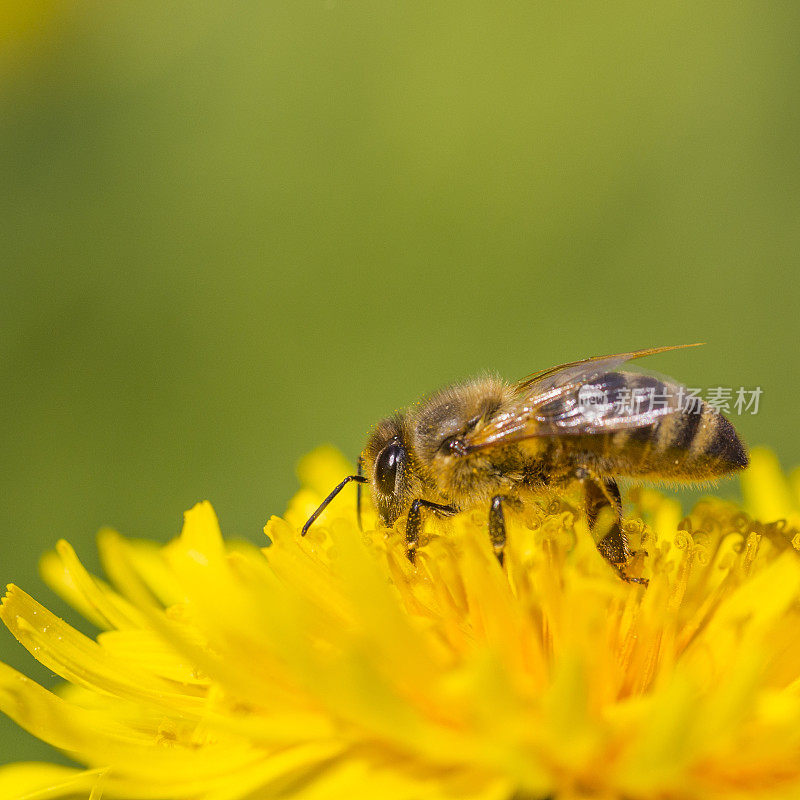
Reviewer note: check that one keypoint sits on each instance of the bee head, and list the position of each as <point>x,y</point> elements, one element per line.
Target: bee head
<point>387,464</point>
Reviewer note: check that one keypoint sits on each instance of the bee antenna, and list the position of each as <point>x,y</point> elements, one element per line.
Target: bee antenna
<point>324,504</point>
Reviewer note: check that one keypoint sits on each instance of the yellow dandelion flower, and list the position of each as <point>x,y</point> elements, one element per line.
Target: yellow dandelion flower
<point>330,667</point>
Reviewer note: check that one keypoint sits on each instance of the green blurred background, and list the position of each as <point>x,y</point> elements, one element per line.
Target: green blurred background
<point>233,231</point>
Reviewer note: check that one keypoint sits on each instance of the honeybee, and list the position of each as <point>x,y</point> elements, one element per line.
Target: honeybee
<point>487,441</point>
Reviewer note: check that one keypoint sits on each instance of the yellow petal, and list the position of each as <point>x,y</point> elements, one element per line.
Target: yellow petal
<point>765,489</point>
<point>331,666</point>
<point>77,658</point>
<point>92,597</point>
<point>38,781</point>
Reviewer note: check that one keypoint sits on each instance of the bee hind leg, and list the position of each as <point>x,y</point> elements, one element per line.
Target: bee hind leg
<point>602,493</point>
<point>414,523</point>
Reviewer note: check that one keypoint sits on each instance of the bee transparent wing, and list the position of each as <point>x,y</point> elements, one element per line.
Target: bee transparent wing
<point>584,370</point>
<point>579,399</point>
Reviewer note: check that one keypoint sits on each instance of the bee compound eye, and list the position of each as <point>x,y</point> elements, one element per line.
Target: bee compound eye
<point>387,465</point>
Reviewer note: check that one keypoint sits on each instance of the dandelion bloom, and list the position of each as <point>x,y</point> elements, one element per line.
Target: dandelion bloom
<point>331,667</point>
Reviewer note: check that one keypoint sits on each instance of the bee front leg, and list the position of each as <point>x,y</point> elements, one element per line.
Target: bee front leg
<point>497,527</point>
<point>414,523</point>
<point>359,475</point>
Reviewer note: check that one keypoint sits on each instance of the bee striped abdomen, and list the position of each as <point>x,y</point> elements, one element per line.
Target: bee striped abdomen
<point>684,445</point>
<point>679,436</point>
<point>716,438</point>
<point>686,424</point>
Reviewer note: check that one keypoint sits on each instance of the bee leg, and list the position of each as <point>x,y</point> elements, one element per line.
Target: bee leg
<point>359,474</point>
<point>602,494</point>
<point>614,547</point>
<point>414,523</point>
<point>497,527</point>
